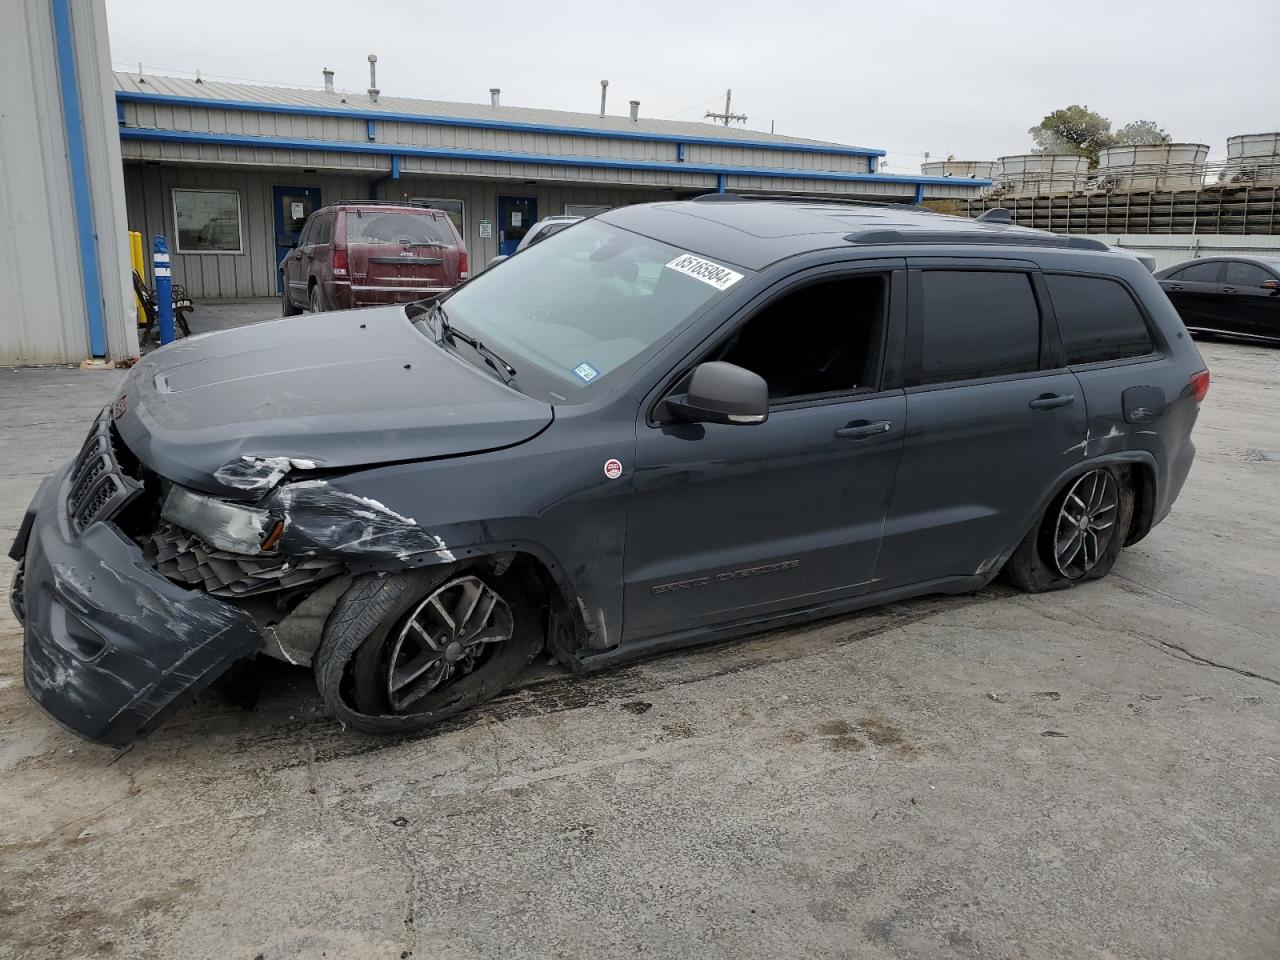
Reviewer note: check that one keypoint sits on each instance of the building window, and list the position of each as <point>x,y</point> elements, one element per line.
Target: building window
<point>585,209</point>
<point>207,221</point>
<point>455,210</point>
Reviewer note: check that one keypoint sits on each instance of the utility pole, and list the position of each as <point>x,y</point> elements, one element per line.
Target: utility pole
<point>727,116</point>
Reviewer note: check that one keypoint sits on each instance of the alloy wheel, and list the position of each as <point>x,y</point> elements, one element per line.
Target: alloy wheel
<point>445,637</point>
<point>1086,523</point>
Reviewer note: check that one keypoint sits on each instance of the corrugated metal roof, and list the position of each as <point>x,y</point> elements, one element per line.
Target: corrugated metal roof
<point>359,103</point>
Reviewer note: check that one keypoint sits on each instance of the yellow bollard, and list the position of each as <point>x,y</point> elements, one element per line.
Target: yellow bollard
<point>135,254</point>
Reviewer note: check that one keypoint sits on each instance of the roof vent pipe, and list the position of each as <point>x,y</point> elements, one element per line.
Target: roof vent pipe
<point>604,92</point>
<point>328,80</point>
<point>635,111</point>
<point>373,77</point>
<point>494,92</point>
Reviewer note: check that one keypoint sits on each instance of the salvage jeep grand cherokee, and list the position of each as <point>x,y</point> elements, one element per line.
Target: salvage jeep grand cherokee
<point>672,423</point>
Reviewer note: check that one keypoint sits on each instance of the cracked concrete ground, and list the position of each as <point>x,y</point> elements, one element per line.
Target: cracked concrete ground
<point>1089,774</point>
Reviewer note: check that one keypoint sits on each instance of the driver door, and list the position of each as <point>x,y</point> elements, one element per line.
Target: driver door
<point>732,522</point>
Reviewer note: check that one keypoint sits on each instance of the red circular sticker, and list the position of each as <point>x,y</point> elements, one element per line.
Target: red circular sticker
<point>613,469</point>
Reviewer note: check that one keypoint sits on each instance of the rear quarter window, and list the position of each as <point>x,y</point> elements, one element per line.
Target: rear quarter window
<point>1098,319</point>
<point>979,323</point>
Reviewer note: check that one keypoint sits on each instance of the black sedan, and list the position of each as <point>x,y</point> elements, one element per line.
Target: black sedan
<point>1239,296</point>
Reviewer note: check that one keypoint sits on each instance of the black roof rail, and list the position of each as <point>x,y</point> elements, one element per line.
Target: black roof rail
<point>994,238</point>
<point>802,198</point>
<point>425,205</point>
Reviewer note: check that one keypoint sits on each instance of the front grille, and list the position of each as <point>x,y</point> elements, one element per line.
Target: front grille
<point>187,560</point>
<point>99,488</point>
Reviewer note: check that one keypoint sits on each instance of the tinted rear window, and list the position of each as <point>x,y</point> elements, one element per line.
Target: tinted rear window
<point>398,226</point>
<point>1097,319</point>
<point>978,324</point>
<point>1200,273</point>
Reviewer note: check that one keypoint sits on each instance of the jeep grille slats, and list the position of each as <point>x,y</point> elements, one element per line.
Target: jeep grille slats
<point>98,487</point>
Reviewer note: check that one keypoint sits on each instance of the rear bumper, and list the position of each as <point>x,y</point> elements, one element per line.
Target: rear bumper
<point>362,296</point>
<point>110,647</point>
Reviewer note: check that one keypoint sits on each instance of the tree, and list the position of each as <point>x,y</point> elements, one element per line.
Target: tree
<point>1140,132</point>
<point>1074,129</point>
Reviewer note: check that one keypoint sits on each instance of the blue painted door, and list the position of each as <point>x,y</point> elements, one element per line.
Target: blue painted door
<point>292,207</point>
<point>515,216</point>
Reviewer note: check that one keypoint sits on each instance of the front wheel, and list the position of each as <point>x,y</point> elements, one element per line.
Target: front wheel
<point>287,309</point>
<point>1079,536</point>
<point>404,651</point>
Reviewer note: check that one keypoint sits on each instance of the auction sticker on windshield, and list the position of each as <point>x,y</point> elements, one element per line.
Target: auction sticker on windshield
<point>722,278</point>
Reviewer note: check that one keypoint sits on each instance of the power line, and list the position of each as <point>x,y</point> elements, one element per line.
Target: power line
<point>726,117</point>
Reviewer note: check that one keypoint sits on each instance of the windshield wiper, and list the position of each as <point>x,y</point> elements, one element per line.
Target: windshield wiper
<point>504,370</point>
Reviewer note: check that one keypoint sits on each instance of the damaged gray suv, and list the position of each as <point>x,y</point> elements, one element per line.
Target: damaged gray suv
<point>673,423</point>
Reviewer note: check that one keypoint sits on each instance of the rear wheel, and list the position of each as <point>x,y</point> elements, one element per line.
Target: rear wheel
<point>1079,536</point>
<point>316,306</point>
<point>403,651</point>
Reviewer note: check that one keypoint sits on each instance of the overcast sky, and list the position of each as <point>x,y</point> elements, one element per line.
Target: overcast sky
<point>908,77</point>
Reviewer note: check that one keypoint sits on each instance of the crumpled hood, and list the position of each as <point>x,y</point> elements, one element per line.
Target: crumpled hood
<point>346,389</point>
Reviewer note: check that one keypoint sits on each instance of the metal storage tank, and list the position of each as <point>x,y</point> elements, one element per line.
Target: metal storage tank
<point>1153,166</point>
<point>1041,174</point>
<point>1253,158</point>
<point>967,169</point>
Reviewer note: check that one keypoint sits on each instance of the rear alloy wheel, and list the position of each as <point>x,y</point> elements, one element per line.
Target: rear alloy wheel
<point>1079,537</point>
<point>1086,523</point>
<point>403,651</point>
<point>315,299</point>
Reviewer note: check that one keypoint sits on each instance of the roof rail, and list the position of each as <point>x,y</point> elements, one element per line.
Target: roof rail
<point>994,238</point>
<point>801,198</point>
<point>382,203</point>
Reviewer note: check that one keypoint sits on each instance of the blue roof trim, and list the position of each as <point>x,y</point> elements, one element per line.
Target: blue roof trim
<point>451,153</point>
<point>128,96</point>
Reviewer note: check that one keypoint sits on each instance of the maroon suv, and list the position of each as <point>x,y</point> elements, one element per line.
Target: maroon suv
<point>363,253</point>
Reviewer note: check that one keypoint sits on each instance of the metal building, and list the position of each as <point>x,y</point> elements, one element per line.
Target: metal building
<point>230,170</point>
<point>64,260</point>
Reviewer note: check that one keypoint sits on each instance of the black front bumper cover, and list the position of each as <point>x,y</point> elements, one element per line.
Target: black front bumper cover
<point>110,647</point>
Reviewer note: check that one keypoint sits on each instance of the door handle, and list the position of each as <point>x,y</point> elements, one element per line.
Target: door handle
<point>1174,286</point>
<point>1230,290</point>
<point>861,429</point>
<point>1048,401</point>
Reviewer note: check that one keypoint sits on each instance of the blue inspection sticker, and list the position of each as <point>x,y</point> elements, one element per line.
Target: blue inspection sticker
<point>586,372</point>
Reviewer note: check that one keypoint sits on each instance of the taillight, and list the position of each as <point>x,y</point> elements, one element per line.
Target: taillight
<point>464,267</point>
<point>1200,385</point>
<point>340,262</point>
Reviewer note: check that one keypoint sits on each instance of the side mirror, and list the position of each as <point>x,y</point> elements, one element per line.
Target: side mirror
<point>1271,284</point>
<point>722,393</point>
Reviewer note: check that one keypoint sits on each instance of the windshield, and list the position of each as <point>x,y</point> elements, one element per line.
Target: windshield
<point>583,304</point>
<point>398,226</point>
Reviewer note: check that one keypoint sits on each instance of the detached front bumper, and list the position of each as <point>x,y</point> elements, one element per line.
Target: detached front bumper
<point>110,647</point>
